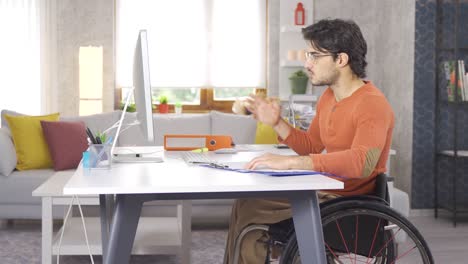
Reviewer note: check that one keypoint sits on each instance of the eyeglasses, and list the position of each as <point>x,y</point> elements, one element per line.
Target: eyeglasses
<point>312,56</point>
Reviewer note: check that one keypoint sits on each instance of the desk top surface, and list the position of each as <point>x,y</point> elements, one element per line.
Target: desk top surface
<point>175,176</point>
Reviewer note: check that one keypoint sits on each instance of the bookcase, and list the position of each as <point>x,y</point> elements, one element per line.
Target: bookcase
<point>451,113</point>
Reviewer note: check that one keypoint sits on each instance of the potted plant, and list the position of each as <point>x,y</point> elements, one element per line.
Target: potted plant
<point>178,108</point>
<point>298,81</point>
<point>130,107</point>
<point>163,106</point>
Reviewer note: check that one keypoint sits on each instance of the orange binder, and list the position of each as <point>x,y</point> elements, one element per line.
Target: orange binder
<point>191,142</point>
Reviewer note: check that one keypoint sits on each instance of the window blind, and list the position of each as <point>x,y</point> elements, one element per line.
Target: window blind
<point>20,56</point>
<point>194,43</point>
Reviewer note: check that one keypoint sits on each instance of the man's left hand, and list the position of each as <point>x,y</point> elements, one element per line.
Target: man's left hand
<point>280,162</point>
<point>272,161</point>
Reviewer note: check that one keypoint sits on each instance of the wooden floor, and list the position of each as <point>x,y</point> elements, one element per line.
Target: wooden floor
<point>449,245</point>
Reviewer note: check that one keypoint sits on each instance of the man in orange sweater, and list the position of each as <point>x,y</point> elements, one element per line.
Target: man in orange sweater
<point>353,124</point>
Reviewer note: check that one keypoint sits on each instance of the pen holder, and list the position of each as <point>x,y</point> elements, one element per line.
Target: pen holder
<point>99,156</point>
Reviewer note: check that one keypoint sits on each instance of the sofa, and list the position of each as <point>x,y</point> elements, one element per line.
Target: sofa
<point>16,187</point>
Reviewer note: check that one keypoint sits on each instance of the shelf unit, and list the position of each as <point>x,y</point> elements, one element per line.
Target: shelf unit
<point>290,38</point>
<point>447,113</point>
<point>296,63</point>
<point>301,122</point>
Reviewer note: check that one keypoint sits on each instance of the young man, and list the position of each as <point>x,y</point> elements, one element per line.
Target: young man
<point>353,124</point>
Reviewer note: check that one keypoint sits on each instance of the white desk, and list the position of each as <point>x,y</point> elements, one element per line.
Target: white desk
<point>136,183</point>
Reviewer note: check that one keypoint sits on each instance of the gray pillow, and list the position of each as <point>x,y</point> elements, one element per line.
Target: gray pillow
<point>7,148</point>
<point>11,113</point>
<point>241,128</point>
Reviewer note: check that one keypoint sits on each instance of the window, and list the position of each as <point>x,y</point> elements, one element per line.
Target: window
<point>198,48</point>
<point>20,56</point>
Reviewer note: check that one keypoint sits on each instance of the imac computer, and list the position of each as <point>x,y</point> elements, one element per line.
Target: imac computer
<point>142,87</point>
<point>143,104</point>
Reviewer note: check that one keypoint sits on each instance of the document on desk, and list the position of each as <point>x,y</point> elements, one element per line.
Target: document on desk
<point>239,167</point>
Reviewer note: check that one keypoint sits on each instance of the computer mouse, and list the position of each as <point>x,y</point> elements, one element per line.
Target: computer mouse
<point>226,151</point>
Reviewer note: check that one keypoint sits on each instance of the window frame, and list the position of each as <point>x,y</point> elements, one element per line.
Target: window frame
<point>207,102</point>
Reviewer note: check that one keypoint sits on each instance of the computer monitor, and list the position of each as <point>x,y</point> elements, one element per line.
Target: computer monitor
<point>142,94</point>
<point>142,87</point>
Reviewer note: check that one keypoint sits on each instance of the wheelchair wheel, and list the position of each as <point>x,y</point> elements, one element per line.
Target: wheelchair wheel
<point>365,232</point>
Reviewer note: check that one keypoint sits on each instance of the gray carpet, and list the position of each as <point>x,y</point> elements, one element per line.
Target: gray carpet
<point>21,243</point>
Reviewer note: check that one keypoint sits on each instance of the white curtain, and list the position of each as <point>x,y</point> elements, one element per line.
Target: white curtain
<point>194,43</point>
<point>20,84</point>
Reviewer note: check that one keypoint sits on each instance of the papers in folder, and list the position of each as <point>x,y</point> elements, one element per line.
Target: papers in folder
<point>278,173</point>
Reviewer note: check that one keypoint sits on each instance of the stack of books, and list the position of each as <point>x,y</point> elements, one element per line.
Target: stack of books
<point>450,68</point>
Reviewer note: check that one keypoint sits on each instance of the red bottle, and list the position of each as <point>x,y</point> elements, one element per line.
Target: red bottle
<point>299,14</point>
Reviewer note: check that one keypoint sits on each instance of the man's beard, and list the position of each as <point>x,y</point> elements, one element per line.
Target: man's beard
<point>327,81</point>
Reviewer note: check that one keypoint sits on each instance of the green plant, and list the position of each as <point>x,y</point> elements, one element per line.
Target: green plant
<point>178,104</point>
<point>163,99</point>
<point>130,108</point>
<point>102,137</point>
<point>300,74</point>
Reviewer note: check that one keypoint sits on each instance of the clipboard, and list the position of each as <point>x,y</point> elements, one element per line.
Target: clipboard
<point>275,173</point>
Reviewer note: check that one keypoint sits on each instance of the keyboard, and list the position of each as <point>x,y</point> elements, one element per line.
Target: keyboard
<point>196,158</point>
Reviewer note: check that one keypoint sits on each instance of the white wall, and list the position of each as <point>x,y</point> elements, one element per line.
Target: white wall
<point>83,23</point>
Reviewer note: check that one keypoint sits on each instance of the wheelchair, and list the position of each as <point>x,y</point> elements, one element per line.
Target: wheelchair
<point>356,229</point>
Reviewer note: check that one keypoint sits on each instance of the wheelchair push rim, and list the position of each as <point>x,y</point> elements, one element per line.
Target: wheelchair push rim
<point>366,232</point>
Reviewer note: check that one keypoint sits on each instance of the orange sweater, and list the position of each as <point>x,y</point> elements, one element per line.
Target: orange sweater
<point>356,133</point>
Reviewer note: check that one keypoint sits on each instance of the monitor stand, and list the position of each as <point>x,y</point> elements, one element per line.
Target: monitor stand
<point>135,157</point>
<point>131,154</point>
<point>134,154</point>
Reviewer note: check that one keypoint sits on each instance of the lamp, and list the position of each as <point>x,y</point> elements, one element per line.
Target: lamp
<point>90,80</point>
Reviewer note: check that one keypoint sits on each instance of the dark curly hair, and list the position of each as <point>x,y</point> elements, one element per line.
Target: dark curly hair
<point>339,36</point>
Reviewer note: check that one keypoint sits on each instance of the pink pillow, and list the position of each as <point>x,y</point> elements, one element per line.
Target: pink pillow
<point>66,141</point>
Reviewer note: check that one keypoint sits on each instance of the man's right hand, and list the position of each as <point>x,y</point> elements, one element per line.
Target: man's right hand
<point>265,111</point>
<point>268,112</point>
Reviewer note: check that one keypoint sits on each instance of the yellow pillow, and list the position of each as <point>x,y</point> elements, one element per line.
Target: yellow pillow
<point>265,134</point>
<point>31,148</point>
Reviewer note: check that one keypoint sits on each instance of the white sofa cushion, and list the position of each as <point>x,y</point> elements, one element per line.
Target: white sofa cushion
<point>7,148</point>
<point>98,122</point>
<point>186,124</point>
<point>241,128</point>
<point>166,124</point>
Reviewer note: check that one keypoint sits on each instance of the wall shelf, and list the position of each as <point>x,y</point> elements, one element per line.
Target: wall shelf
<point>291,29</point>
<point>286,63</point>
<point>451,153</point>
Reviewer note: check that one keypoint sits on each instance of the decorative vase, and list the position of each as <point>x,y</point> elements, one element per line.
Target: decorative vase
<point>163,108</point>
<point>298,84</point>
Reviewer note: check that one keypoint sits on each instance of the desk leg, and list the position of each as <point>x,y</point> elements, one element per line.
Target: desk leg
<point>184,215</point>
<point>47,231</point>
<point>123,229</point>
<point>308,225</point>
<point>106,208</point>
